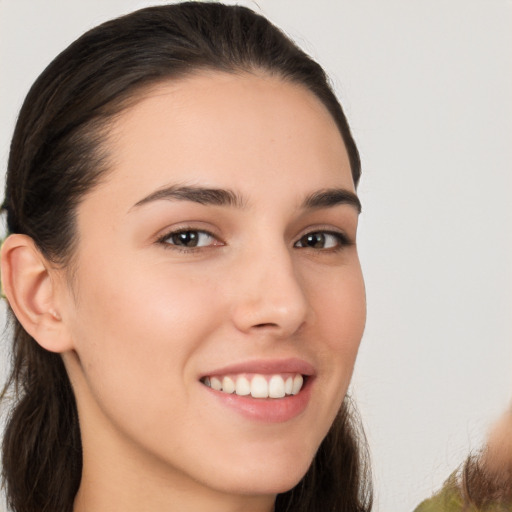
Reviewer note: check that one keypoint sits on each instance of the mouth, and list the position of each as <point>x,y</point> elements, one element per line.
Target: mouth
<point>268,391</point>
<point>274,386</point>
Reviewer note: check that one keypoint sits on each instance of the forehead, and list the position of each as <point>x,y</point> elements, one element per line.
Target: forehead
<point>223,129</point>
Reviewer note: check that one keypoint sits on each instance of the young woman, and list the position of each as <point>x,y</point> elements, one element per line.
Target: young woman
<point>182,268</point>
<point>187,301</point>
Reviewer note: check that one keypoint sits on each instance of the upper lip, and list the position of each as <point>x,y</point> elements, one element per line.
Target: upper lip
<point>266,366</point>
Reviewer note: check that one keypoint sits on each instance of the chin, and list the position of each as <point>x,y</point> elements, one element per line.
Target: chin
<point>261,485</point>
<point>267,477</point>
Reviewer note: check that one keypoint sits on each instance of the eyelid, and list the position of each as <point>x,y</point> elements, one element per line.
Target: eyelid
<point>325,228</point>
<point>162,239</point>
<point>344,239</point>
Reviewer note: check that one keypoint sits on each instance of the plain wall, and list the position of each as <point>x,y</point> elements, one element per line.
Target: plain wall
<point>426,86</point>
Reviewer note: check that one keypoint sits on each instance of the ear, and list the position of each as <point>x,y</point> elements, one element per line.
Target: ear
<point>29,284</point>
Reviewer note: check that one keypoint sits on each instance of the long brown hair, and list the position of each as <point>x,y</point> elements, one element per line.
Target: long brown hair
<point>57,156</point>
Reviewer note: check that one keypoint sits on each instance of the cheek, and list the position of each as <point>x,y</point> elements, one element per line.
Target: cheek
<point>340,309</point>
<point>136,333</point>
<point>340,316</point>
<point>130,305</point>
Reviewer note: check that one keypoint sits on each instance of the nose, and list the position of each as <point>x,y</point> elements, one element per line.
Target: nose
<point>269,295</point>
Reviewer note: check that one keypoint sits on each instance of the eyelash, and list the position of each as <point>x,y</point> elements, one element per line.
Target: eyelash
<point>342,240</point>
<point>164,240</point>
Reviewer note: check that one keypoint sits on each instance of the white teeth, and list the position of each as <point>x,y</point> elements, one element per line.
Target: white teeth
<point>215,383</point>
<point>228,385</point>
<point>276,387</point>
<point>243,386</point>
<point>297,384</point>
<point>288,386</point>
<point>259,386</point>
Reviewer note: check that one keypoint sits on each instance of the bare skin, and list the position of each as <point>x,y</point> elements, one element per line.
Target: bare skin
<point>272,280</point>
<point>497,456</point>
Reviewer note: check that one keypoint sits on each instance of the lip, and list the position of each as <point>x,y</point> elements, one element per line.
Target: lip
<point>266,410</point>
<point>266,367</point>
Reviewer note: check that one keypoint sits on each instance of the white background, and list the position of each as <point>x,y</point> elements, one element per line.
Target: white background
<point>427,87</point>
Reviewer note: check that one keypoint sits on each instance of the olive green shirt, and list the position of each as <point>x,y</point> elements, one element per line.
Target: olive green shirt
<point>450,500</point>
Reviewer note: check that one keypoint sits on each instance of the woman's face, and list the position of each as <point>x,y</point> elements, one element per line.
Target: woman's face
<point>219,251</point>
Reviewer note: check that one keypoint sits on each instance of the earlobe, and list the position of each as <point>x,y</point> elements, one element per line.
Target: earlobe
<point>28,285</point>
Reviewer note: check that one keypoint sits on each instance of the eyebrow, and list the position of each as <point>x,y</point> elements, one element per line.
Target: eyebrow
<point>326,198</point>
<point>201,195</point>
<point>330,197</point>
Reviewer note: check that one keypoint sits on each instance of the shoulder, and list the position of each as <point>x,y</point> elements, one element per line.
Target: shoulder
<point>449,499</point>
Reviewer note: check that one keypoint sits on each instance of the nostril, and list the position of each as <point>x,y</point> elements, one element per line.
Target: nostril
<point>261,326</point>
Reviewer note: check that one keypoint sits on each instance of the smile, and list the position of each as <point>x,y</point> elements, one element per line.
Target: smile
<point>257,385</point>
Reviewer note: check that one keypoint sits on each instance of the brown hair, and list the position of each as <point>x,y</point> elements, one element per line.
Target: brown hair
<point>57,156</point>
<point>483,488</point>
<point>486,479</point>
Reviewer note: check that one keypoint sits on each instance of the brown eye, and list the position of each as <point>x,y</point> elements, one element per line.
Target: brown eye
<point>189,238</point>
<point>321,240</point>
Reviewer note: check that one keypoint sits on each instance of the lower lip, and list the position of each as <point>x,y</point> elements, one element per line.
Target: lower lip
<point>268,410</point>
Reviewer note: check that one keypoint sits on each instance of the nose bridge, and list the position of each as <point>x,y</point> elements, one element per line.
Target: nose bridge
<point>270,293</point>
